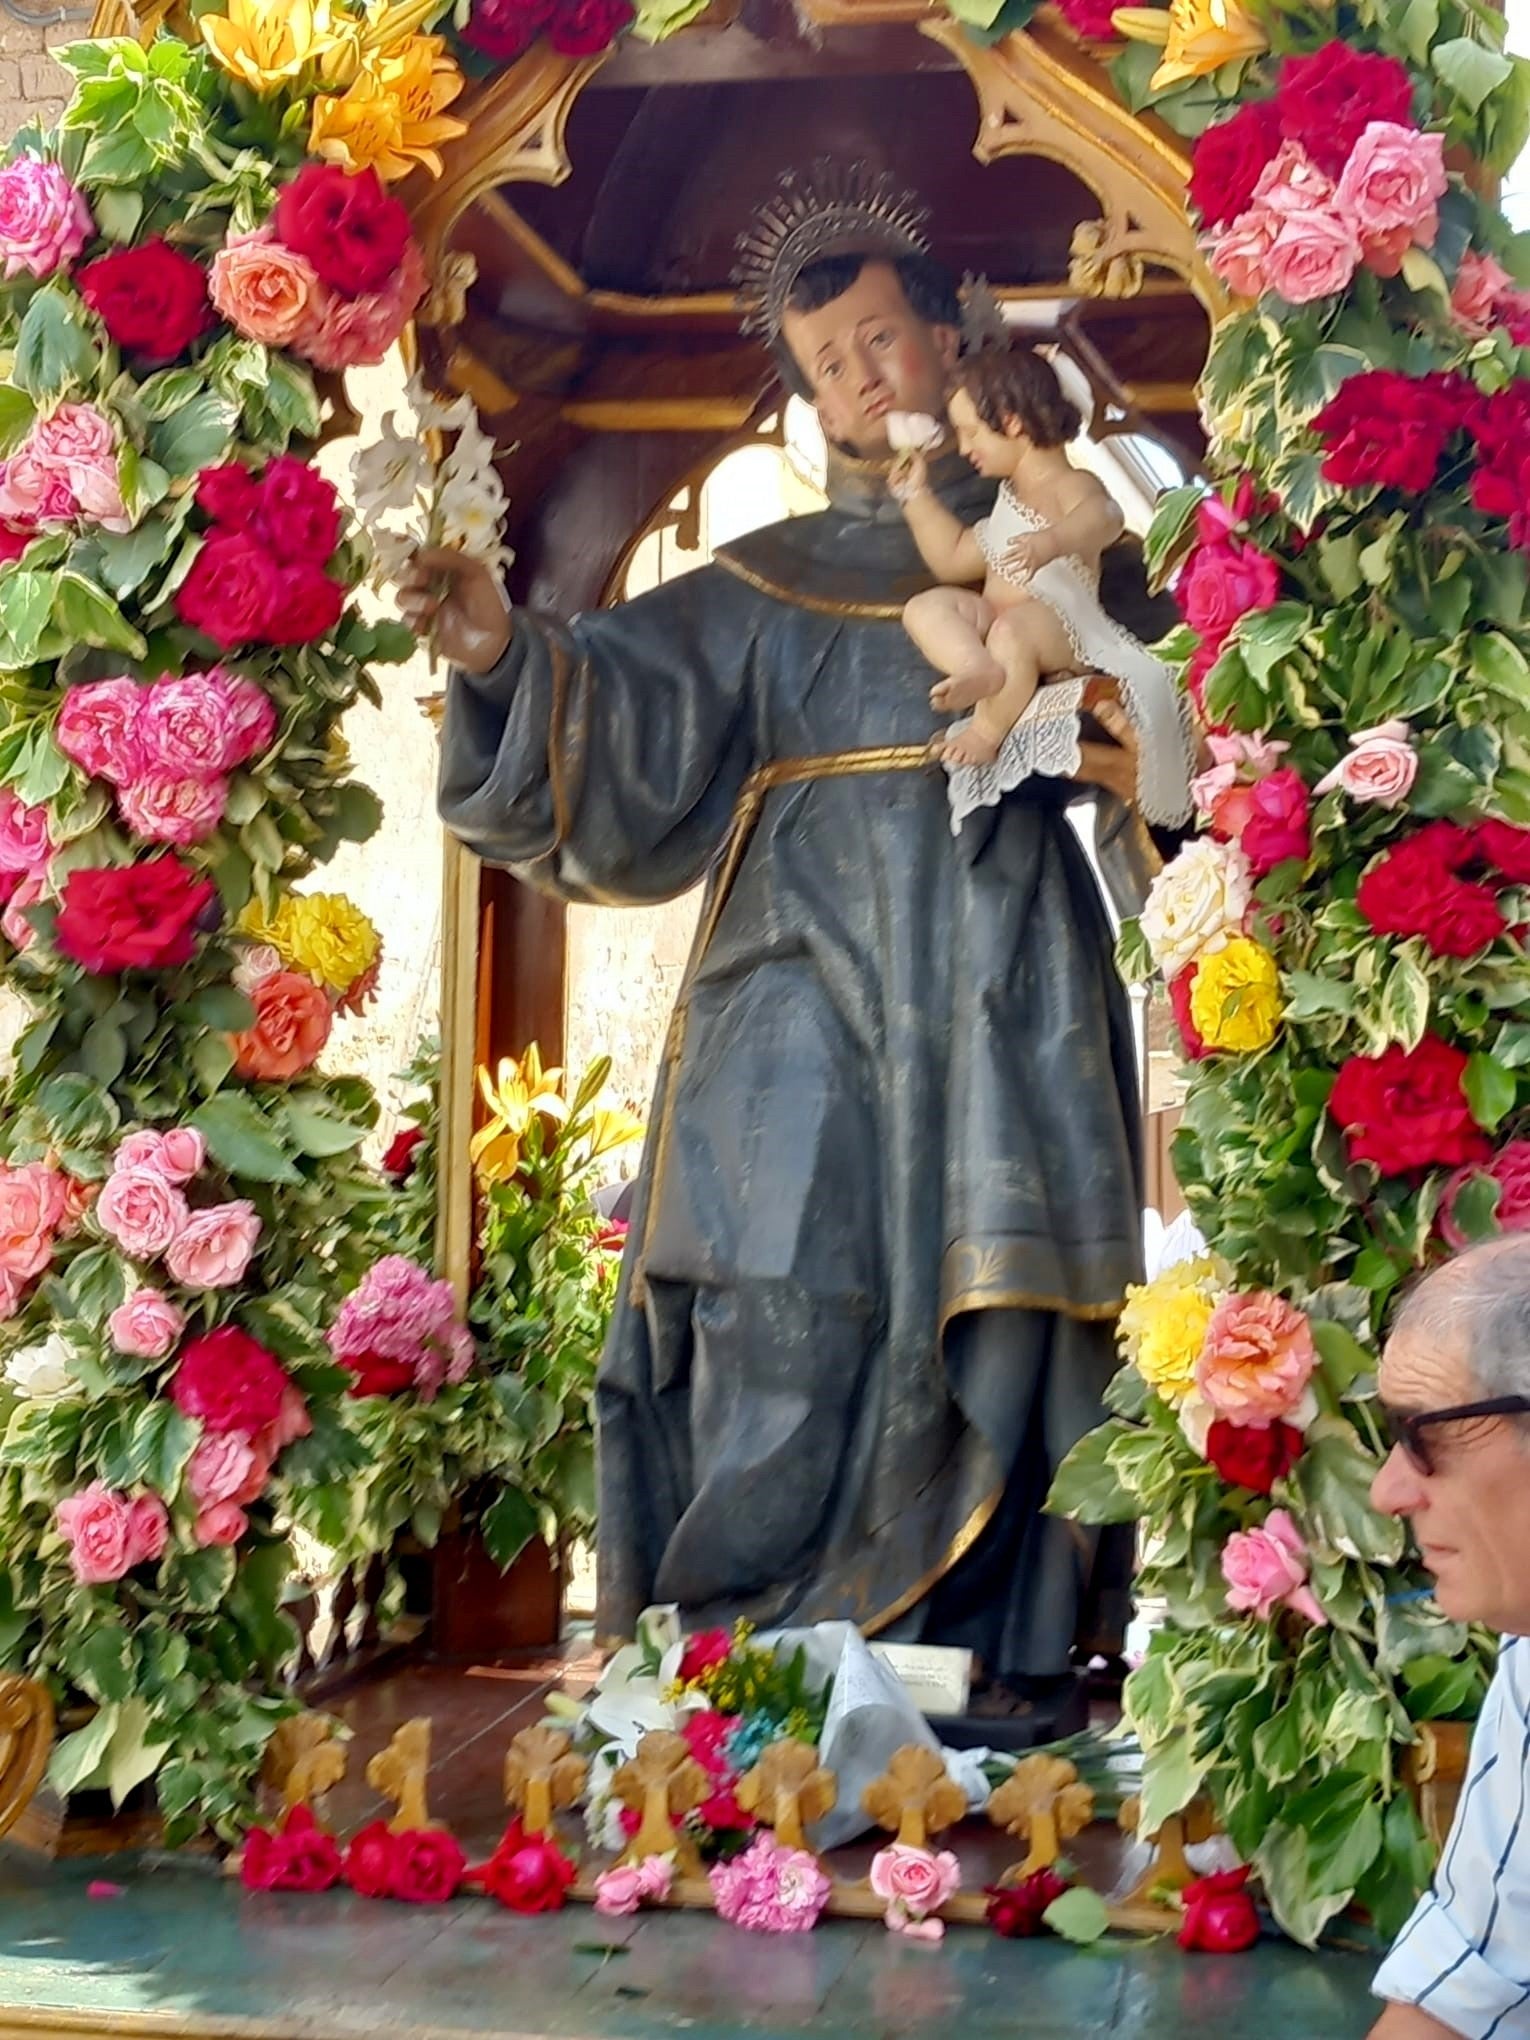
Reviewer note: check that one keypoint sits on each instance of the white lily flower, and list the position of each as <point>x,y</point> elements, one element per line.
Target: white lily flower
<point>434,415</point>
<point>42,1373</point>
<point>391,473</point>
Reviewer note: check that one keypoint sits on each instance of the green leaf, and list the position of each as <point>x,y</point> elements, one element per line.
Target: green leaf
<point>1280,1745</point>
<point>87,616</point>
<point>1469,69</point>
<point>1334,1476</point>
<point>1490,1090</point>
<point>1345,1360</point>
<point>509,1524</point>
<point>392,643</point>
<point>358,812</point>
<point>41,773</point>
<point>127,558</point>
<point>164,1439</point>
<point>79,1757</point>
<point>1152,1701</point>
<point>1171,1777</point>
<point>137,1748</point>
<point>1418,28</point>
<point>16,414</point>
<point>1087,1485</point>
<point>106,1663</point>
<point>1499,663</point>
<point>1172,517</point>
<point>1474,1207</point>
<point>319,1134</point>
<point>243,1139</point>
<point>200,1580</point>
<point>195,436</point>
<point>54,350</point>
<point>26,601</point>
<point>1080,1915</point>
<point>1308,995</point>
<point>224,1007</point>
<point>117,213</point>
<point>103,1052</point>
<point>1405,1002</point>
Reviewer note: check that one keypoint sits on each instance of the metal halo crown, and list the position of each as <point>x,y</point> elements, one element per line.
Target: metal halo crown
<point>836,209</point>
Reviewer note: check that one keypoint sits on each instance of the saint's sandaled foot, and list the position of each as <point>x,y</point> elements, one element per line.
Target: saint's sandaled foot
<point>970,747</point>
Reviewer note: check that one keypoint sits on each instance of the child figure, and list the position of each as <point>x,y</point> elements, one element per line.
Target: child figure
<point>1038,616</point>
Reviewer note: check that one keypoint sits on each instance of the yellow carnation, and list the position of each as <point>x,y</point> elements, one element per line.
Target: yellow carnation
<point>327,936</point>
<point>1163,1327</point>
<point>1235,999</point>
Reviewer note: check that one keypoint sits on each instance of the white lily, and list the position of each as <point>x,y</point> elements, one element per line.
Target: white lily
<point>432,414</point>
<point>42,1373</point>
<point>390,474</point>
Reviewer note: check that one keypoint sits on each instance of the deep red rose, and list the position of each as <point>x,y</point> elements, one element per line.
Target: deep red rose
<point>229,495</point>
<point>1229,159</point>
<point>297,517</point>
<point>234,592</point>
<point>1222,583</point>
<point>1390,431</point>
<point>1500,425</point>
<point>526,1873</point>
<point>1219,1914</point>
<point>230,1381</point>
<point>1090,18</point>
<point>377,1376</point>
<point>428,1866</point>
<point>1198,671</point>
<point>136,917</point>
<point>1327,100</point>
<point>151,299</point>
<point>1405,1108</point>
<point>299,1856</point>
<point>1253,1456</point>
<point>583,28</point>
<point>1016,1910</point>
<point>308,606</point>
<point>1413,890</point>
<point>369,1861</point>
<point>1181,985</point>
<point>1506,848</point>
<point>13,542</point>
<point>1276,827</point>
<point>506,29</point>
<point>348,227</point>
<point>398,1162</point>
<point>708,1647</point>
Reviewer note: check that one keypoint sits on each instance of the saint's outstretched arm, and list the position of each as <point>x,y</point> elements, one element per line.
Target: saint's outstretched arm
<point>602,759</point>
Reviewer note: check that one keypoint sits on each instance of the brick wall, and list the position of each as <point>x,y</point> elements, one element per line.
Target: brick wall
<point>32,85</point>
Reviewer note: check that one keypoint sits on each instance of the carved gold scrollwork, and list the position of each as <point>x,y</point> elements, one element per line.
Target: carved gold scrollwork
<point>26,1736</point>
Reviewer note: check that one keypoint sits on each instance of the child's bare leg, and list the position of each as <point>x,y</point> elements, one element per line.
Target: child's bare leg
<point>951,626</point>
<point>1028,641</point>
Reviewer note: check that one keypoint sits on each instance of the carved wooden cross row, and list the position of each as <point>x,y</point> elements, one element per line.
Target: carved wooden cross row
<point>914,1796</point>
<point>304,1759</point>
<point>663,1783</point>
<point>541,1775</point>
<point>788,1790</point>
<point>399,1773</point>
<point>1041,1801</point>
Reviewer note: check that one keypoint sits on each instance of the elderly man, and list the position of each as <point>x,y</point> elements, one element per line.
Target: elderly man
<point>1455,1380</point>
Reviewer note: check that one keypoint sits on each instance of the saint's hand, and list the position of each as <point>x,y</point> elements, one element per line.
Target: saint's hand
<point>1035,549</point>
<point>459,604</point>
<point>1111,767</point>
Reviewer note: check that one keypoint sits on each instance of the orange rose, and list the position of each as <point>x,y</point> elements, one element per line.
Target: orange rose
<point>292,1023</point>
<point>265,291</point>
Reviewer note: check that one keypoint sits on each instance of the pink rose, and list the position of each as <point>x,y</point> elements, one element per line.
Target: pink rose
<point>252,717</point>
<point>98,727</point>
<point>78,442</point>
<point>264,289</point>
<point>213,1247</point>
<point>148,1530</point>
<point>1267,1568</point>
<point>187,727</point>
<point>219,1468</point>
<point>913,1883</point>
<point>255,965</point>
<point>44,221</point>
<point>1257,1358</point>
<point>1222,583</point>
<point>1276,824</point>
<point>1480,281</point>
<point>292,1422</point>
<point>32,1210</point>
<point>222,1523</point>
<point>141,1212</point>
<point>177,1155</point>
<point>1313,256</point>
<point>355,332</point>
<point>10,1294</point>
<point>1394,180</point>
<point>165,810</point>
<point>1380,767</point>
<point>1291,184</point>
<point>1238,253</point>
<point>1510,1169</point>
<point>14,925</point>
<point>620,1890</point>
<point>25,845</point>
<point>108,1534</point>
<point>147,1325</point>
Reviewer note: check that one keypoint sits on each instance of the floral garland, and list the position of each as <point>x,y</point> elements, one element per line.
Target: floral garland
<point>1343,944</point>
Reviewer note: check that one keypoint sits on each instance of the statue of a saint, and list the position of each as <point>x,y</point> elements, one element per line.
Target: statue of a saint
<point>890,1201</point>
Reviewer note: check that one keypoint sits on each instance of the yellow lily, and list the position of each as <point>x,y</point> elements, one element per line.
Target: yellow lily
<point>391,117</point>
<point>612,1128</point>
<point>1203,36</point>
<point>266,43</point>
<point>517,1091</point>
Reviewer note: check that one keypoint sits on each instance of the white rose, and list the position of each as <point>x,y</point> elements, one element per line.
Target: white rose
<point>1196,1417</point>
<point>913,432</point>
<point>1196,903</point>
<point>42,1373</point>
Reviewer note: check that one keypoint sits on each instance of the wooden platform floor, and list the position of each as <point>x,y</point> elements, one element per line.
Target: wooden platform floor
<point>183,1951</point>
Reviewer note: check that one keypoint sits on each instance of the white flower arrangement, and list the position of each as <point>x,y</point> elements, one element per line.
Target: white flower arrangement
<point>459,504</point>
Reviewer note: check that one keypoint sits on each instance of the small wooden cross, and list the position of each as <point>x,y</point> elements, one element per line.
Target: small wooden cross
<point>541,1775</point>
<point>664,1783</point>
<point>1042,1801</point>
<point>304,1759</point>
<point>1170,1868</point>
<point>788,1790</point>
<point>914,1796</point>
<point>399,1772</point>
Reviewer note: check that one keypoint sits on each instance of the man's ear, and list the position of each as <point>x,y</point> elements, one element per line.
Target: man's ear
<point>948,345</point>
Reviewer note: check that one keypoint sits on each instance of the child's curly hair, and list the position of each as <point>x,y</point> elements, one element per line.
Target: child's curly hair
<point>1015,382</point>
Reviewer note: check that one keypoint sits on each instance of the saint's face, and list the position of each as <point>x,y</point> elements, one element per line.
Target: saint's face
<point>867,354</point>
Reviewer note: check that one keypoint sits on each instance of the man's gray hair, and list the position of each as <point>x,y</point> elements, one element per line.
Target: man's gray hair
<point>1485,1294</point>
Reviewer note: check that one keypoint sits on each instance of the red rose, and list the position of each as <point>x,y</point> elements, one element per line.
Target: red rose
<point>1412,890</point>
<point>707,1734</point>
<point>1222,583</point>
<point>136,917</point>
<point>526,1873</point>
<point>1506,848</point>
<point>1500,425</point>
<point>13,543</point>
<point>506,29</point>
<point>1015,1910</point>
<point>1219,1914</point>
<point>1229,159</point>
<point>299,1856</point>
<point>1390,431</point>
<point>230,1381</point>
<point>1405,1108</point>
<point>398,1162</point>
<point>1327,100</point>
<point>307,607</point>
<point>723,1812</point>
<point>297,516</point>
<point>377,1376</point>
<point>1253,1456</point>
<point>369,1861</point>
<point>583,28</point>
<point>1510,1169</point>
<point>1181,985</point>
<point>347,227</point>
<point>233,592</point>
<point>151,299</point>
<point>1198,672</point>
<point>708,1647</point>
<point>428,1866</point>
<point>229,495</point>
<point>1276,827</point>
<point>1090,19</point>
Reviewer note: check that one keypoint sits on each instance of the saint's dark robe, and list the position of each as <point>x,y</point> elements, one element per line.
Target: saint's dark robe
<point>891,1198</point>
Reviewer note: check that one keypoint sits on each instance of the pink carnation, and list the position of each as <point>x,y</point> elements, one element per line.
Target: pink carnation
<point>213,1248</point>
<point>161,809</point>
<point>177,1155</point>
<point>44,220</point>
<point>141,1211</point>
<point>770,1889</point>
<point>98,728</point>
<point>357,332</point>
<point>108,1534</point>
<point>1267,1568</point>
<point>33,1209</point>
<point>25,845</point>
<point>147,1325</point>
<point>914,1884</point>
<point>1257,1358</point>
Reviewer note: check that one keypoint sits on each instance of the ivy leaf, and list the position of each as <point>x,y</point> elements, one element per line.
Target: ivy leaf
<point>243,1139</point>
<point>1405,1002</point>
<point>127,558</point>
<point>1498,663</point>
<point>1079,1915</point>
<point>1469,69</point>
<point>1474,1207</point>
<point>1333,1477</point>
<point>16,414</point>
<point>79,1757</point>
<point>1171,523</point>
<point>137,1749</point>
<point>106,1663</point>
<point>1345,1360</point>
<point>317,1133</point>
<point>1490,1090</point>
<point>1088,1486</point>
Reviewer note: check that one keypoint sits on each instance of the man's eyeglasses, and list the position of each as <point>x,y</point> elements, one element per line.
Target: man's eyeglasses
<point>1410,1428</point>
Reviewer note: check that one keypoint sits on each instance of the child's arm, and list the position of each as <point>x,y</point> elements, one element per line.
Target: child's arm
<point>1090,522</point>
<point>948,547</point>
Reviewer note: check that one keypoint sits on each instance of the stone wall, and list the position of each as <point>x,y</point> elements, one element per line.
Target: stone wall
<point>32,86</point>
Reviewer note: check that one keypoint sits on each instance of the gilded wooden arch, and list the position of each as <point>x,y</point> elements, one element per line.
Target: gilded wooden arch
<point>26,1737</point>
